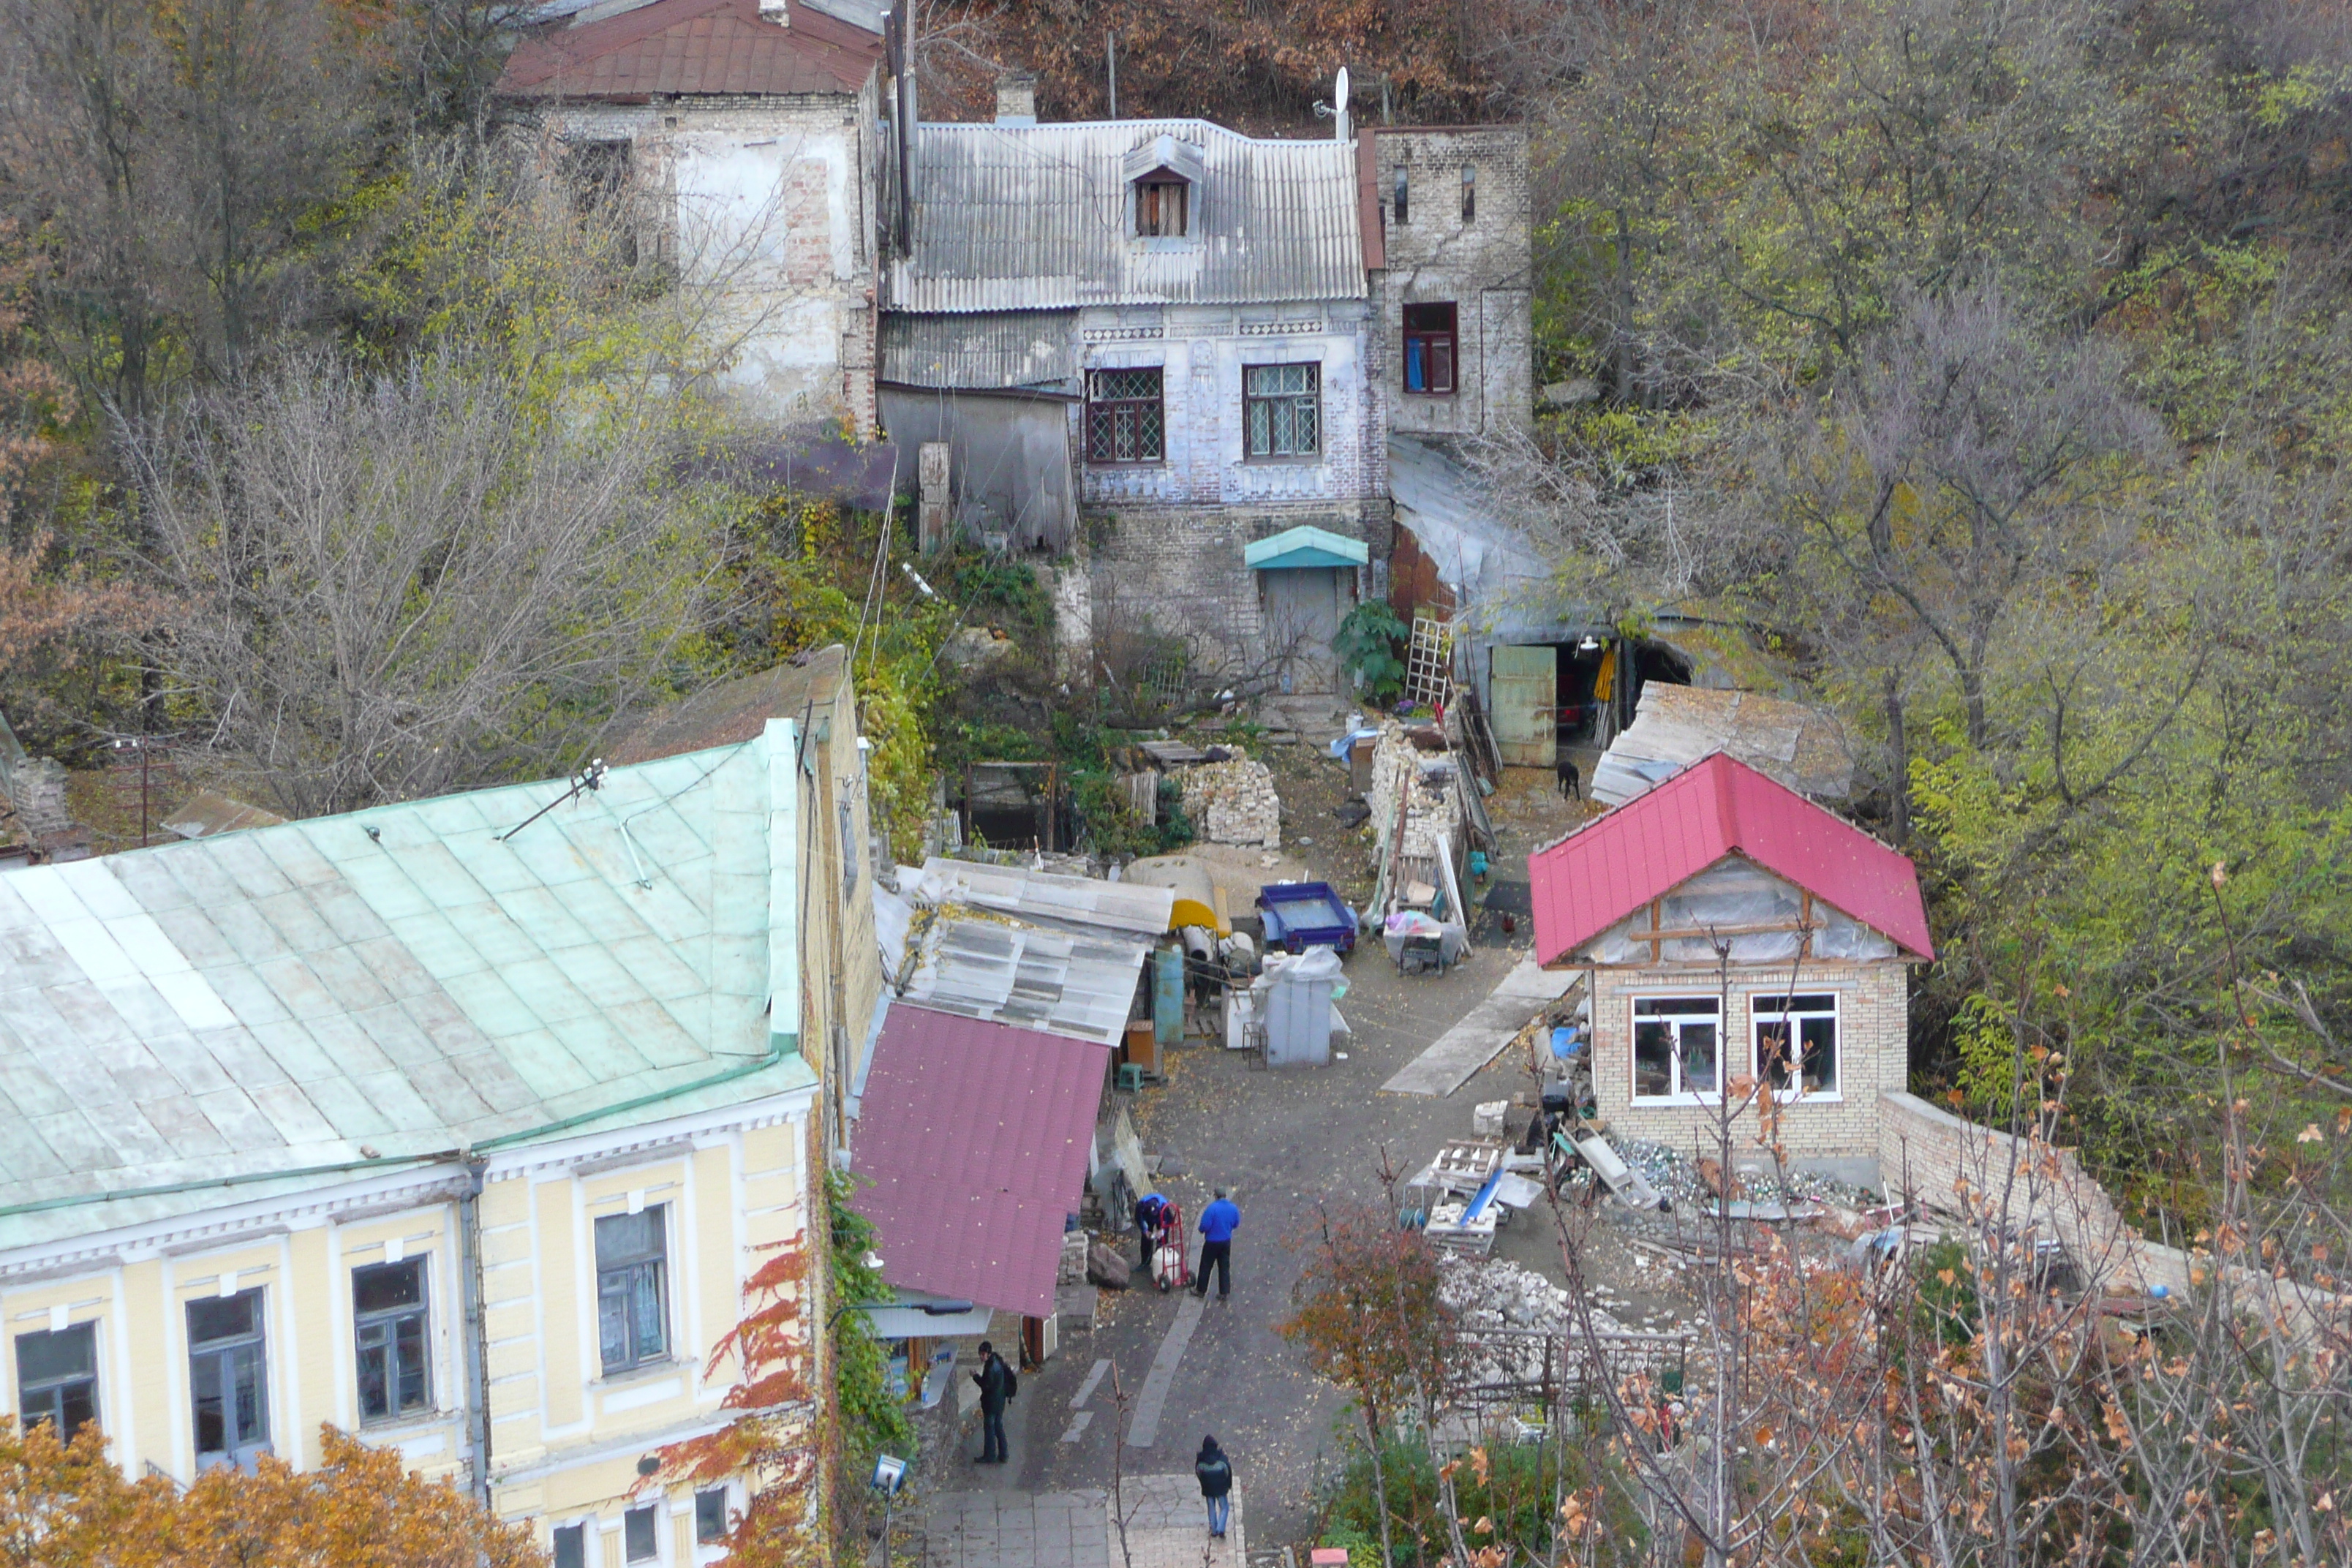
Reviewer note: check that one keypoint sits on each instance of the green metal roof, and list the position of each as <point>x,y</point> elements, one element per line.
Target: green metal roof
<point>1305,546</point>
<point>233,1015</point>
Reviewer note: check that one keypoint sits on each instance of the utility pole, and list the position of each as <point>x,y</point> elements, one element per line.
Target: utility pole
<point>140,744</point>
<point>1110,67</point>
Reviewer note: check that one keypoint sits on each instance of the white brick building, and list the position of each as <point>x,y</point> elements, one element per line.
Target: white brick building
<point>1173,349</point>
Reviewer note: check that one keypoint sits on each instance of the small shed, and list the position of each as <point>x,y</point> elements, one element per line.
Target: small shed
<point>1744,945</point>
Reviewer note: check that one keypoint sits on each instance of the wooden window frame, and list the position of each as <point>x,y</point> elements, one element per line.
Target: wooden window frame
<point>1163,208</point>
<point>623,1273</point>
<point>52,1396</point>
<point>386,1323</point>
<point>1105,416</point>
<point>1312,398</point>
<point>1434,341</point>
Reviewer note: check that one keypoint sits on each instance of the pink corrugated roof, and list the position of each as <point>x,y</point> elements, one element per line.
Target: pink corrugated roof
<point>1652,845</point>
<point>970,1149</point>
<point>692,46</point>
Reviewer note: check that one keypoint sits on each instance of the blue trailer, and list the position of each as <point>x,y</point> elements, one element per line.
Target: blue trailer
<point>1300,915</point>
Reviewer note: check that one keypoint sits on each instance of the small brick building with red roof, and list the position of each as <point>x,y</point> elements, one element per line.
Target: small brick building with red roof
<point>1734,932</point>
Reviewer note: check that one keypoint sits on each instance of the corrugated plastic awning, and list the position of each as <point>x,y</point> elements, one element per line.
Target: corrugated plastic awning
<point>1305,546</point>
<point>972,1153</point>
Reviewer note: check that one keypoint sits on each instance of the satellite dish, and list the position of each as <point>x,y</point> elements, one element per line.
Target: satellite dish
<point>1339,90</point>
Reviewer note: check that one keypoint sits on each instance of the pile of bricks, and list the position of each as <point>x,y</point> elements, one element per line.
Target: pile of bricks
<point>1234,803</point>
<point>1432,810</point>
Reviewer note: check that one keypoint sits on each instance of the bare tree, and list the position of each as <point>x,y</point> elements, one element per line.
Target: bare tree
<point>399,583</point>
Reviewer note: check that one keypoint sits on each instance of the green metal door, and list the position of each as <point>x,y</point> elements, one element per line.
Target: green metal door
<point>1521,689</point>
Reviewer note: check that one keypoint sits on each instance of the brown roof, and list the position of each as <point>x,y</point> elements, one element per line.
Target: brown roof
<point>732,711</point>
<point>692,46</point>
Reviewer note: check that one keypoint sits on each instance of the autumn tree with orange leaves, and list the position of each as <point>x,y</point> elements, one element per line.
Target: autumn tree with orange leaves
<point>803,1458</point>
<point>65,1505</point>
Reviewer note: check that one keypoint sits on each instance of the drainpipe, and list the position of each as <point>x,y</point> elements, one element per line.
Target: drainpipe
<point>477,1347</point>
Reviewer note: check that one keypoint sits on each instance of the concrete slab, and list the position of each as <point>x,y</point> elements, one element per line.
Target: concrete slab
<point>1460,1052</point>
<point>1144,1429</point>
<point>1168,1525</point>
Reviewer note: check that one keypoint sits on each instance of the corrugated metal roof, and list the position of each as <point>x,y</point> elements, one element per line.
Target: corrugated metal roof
<point>393,982</point>
<point>1037,218</point>
<point>1078,985</point>
<point>991,350</point>
<point>692,46</point>
<point>971,1151</point>
<point>1675,725</point>
<point>1044,895</point>
<point>1603,871</point>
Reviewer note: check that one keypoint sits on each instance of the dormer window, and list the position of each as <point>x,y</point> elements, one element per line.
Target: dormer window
<point>1162,204</point>
<point>1164,176</point>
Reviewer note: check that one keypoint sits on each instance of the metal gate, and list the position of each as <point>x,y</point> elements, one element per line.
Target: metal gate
<point>1523,681</point>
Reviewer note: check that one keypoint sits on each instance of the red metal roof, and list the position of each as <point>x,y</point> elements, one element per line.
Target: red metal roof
<point>1653,844</point>
<point>970,1149</point>
<point>692,46</point>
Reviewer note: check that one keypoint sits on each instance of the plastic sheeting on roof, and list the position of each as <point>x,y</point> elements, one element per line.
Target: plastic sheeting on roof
<point>1676,725</point>
<point>1133,907</point>
<point>1038,218</point>
<point>1082,986</point>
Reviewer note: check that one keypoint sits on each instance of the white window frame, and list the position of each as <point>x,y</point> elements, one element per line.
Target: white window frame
<point>1758,1016</point>
<point>1678,1095</point>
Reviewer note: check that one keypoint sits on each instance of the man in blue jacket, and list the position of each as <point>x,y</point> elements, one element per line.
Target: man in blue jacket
<point>1218,1223</point>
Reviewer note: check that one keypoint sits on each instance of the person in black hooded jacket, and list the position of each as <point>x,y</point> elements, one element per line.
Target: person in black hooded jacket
<point>1217,1473</point>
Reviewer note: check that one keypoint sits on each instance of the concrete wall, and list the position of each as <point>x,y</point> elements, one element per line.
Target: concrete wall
<point>769,201</point>
<point>1840,1134</point>
<point>1963,1168</point>
<point>1483,265</point>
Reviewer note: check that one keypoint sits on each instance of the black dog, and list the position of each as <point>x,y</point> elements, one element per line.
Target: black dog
<point>1572,783</point>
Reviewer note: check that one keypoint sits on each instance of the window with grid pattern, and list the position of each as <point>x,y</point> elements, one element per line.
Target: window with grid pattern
<point>1125,420</point>
<point>1281,410</point>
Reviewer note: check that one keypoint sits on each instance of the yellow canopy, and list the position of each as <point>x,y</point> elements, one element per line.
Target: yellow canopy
<point>1199,902</point>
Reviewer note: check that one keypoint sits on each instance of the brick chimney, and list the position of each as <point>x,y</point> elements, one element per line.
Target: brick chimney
<point>1016,99</point>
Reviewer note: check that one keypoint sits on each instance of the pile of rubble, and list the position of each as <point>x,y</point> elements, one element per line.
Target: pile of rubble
<point>1496,1293</point>
<point>1675,1175</point>
<point>1233,801</point>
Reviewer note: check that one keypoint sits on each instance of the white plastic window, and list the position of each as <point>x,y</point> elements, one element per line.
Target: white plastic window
<point>1677,1048</point>
<point>1797,1043</point>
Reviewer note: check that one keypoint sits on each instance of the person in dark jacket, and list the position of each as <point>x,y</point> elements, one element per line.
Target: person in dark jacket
<point>993,1380</point>
<point>1149,1208</point>
<point>1217,1473</point>
<point>1218,1221</point>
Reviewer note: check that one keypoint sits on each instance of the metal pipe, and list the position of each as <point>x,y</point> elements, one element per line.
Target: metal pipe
<point>477,1344</point>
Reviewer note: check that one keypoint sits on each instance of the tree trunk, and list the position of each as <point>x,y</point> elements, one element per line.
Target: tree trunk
<point>1899,749</point>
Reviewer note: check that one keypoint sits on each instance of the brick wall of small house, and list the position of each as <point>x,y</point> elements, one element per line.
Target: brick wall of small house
<point>1484,266</point>
<point>795,302</point>
<point>1178,571</point>
<point>1874,1038</point>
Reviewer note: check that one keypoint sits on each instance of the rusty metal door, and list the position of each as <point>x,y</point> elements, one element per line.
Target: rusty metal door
<point>1523,686</point>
